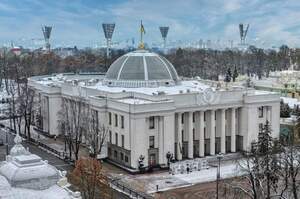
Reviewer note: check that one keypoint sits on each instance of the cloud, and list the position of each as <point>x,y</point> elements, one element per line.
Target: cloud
<point>79,23</point>
<point>232,5</point>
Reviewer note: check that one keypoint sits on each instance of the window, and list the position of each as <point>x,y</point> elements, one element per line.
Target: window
<point>204,131</point>
<point>109,151</point>
<point>151,122</point>
<point>122,121</point>
<point>122,156</point>
<point>116,120</point>
<point>116,139</point>
<point>261,112</point>
<point>116,154</point>
<point>182,135</point>
<point>193,116</point>
<point>182,118</point>
<point>151,142</point>
<point>126,158</point>
<point>193,134</point>
<point>94,119</point>
<point>109,118</point>
<point>122,139</point>
<point>110,137</point>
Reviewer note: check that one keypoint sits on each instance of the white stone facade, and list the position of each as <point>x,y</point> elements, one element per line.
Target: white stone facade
<point>189,119</point>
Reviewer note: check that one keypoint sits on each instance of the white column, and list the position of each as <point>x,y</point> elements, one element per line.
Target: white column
<point>212,132</point>
<point>179,137</point>
<point>269,116</point>
<point>223,136</point>
<point>233,131</point>
<point>161,140</point>
<point>190,135</point>
<point>201,134</point>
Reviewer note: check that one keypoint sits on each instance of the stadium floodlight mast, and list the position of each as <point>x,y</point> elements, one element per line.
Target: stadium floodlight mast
<point>243,33</point>
<point>164,33</point>
<point>108,29</point>
<point>47,33</point>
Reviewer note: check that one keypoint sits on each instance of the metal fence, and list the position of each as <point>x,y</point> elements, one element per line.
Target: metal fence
<point>129,191</point>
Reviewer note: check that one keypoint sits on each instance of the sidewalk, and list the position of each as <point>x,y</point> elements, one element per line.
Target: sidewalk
<point>57,144</point>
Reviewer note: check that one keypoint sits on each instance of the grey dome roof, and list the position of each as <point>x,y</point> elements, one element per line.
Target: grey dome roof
<point>141,68</point>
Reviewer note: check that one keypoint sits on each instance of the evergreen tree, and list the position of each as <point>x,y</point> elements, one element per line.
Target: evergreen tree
<point>267,163</point>
<point>235,74</point>
<point>228,76</point>
<point>285,110</point>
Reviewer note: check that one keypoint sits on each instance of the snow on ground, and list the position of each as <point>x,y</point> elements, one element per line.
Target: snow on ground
<point>166,181</point>
<point>208,175</point>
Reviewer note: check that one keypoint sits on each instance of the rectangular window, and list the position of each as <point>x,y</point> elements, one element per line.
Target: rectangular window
<point>182,135</point>
<point>109,118</point>
<point>126,158</point>
<point>182,118</point>
<point>116,120</point>
<point>123,140</point>
<point>204,132</point>
<point>193,116</point>
<point>193,134</point>
<point>116,139</point>
<point>151,122</point>
<point>122,121</point>
<point>110,137</point>
<point>122,156</point>
<point>151,142</point>
<point>94,119</point>
<point>261,112</point>
<point>109,151</point>
<point>116,154</point>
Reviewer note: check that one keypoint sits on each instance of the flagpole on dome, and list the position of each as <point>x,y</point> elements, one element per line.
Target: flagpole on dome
<point>142,31</point>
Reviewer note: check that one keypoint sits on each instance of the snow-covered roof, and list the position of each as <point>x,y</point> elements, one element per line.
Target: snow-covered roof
<point>183,87</point>
<point>25,170</point>
<point>26,176</point>
<point>292,102</point>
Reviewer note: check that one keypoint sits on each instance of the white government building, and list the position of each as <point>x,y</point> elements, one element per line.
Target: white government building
<point>150,111</point>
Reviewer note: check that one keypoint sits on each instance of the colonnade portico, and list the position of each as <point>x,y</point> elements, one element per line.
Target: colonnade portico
<point>204,124</point>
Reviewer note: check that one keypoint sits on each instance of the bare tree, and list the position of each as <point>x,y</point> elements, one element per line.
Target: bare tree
<point>73,120</point>
<point>88,175</point>
<point>26,100</point>
<point>291,163</point>
<point>253,185</point>
<point>97,138</point>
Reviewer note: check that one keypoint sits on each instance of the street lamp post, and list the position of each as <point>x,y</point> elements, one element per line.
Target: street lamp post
<point>6,137</point>
<point>219,156</point>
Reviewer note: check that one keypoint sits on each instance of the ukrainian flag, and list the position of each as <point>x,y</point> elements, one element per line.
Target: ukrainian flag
<point>142,28</point>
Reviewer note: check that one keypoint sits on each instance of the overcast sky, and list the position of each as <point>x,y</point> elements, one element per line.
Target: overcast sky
<point>78,22</point>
